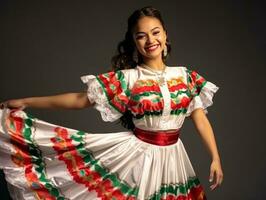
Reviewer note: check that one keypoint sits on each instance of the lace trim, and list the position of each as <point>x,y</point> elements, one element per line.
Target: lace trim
<point>203,99</point>
<point>96,95</point>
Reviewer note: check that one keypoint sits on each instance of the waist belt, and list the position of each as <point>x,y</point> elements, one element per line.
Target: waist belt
<point>161,138</point>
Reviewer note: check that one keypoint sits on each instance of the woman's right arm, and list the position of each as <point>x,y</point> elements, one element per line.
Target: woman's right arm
<point>77,100</point>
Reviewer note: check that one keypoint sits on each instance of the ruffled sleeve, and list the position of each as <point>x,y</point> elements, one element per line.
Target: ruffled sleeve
<point>109,93</point>
<point>201,92</point>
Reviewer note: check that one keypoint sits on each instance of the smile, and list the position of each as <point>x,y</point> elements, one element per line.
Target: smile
<point>152,48</point>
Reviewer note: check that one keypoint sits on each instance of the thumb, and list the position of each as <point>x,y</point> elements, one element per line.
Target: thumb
<point>211,175</point>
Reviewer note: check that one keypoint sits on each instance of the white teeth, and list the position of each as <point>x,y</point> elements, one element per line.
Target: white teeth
<point>153,47</point>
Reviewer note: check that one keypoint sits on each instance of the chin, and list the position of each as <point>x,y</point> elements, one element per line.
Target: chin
<point>152,56</point>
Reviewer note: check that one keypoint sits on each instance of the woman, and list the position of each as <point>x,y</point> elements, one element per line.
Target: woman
<point>149,161</point>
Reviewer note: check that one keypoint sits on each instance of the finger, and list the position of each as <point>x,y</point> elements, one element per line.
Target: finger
<point>211,175</point>
<point>217,182</point>
<point>214,186</point>
<point>220,179</point>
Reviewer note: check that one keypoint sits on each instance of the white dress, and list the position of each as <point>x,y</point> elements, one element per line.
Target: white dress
<point>42,160</point>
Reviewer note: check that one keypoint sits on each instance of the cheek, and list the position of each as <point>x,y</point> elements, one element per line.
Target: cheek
<point>140,45</point>
<point>162,39</point>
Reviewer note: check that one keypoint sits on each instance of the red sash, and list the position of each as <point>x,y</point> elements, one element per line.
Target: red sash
<point>161,138</point>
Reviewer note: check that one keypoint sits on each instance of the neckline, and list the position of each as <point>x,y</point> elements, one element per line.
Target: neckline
<point>155,71</point>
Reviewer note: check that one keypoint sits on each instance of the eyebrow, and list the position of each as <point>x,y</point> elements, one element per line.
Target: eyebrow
<point>144,32</point>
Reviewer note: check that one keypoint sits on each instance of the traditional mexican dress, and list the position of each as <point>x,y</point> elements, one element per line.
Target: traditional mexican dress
<point>42,160</point>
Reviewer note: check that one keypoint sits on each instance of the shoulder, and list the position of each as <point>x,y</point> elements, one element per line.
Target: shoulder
<point>126,76</point>
<point>177,70</point>
<point>120,74</point>
<point>191,72</point>
<point>129,73</point>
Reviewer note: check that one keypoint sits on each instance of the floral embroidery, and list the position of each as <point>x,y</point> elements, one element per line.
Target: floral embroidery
<point>190,190</point>
<point>87,170</point>
<point>146,97</point>
<point>115,89</point>
<point>195,82</point>
<point>29,156</point>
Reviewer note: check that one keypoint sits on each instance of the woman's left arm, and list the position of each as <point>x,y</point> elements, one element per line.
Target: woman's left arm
<point>204,128</point>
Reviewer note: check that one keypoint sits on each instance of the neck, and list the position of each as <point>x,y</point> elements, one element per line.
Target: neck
<point>156,64</point>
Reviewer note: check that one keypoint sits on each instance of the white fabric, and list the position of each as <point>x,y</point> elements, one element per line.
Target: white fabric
<point>96,95</point>
<point>204,99</point>
<point>151,122</point>
<point>136,162</point>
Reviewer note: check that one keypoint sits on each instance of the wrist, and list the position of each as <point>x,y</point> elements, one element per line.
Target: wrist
<point>216,159</point>
<point>25,102</point>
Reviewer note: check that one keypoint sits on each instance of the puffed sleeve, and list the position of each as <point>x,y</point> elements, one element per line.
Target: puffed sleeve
<point>109,92</point>
<point>201,92</point>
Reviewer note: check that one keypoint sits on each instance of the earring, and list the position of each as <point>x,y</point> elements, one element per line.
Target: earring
<point>135,56</point>
<point>165,51</point>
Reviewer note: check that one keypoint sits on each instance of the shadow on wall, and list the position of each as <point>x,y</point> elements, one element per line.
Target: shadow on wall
<point>3,187</point>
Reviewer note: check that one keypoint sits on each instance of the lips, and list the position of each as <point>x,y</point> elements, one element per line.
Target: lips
<point>152,47</point>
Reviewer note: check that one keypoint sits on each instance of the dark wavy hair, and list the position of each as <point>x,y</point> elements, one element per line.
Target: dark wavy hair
<point>125,49</point>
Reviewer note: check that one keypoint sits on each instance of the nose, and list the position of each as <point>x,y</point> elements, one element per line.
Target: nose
<point>150,39</point>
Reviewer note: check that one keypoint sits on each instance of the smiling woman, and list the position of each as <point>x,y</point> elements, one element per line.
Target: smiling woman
<point>150,39</point>
<point>148,161</point>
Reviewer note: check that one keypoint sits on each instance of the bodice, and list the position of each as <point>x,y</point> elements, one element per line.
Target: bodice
<point>153,105</point>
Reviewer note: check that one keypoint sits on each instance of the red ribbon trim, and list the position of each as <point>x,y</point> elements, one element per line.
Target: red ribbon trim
<point>161,138</point>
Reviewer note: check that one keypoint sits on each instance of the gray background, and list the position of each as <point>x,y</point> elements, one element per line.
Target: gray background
<point>46,46</point>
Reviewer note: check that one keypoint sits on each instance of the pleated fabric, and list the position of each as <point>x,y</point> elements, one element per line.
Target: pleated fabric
<point>42,160</point>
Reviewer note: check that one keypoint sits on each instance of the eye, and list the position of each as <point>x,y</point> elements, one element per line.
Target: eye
<point>156,32</point>
<point>138,37</point>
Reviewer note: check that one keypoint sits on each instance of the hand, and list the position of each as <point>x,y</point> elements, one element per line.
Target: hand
<point>13,104</point>
<point>216,170</point>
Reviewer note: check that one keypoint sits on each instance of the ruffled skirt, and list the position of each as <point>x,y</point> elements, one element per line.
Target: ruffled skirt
<point>46,161</point>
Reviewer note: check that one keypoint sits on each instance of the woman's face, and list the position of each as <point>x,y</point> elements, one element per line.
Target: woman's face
<point>149,37</point>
